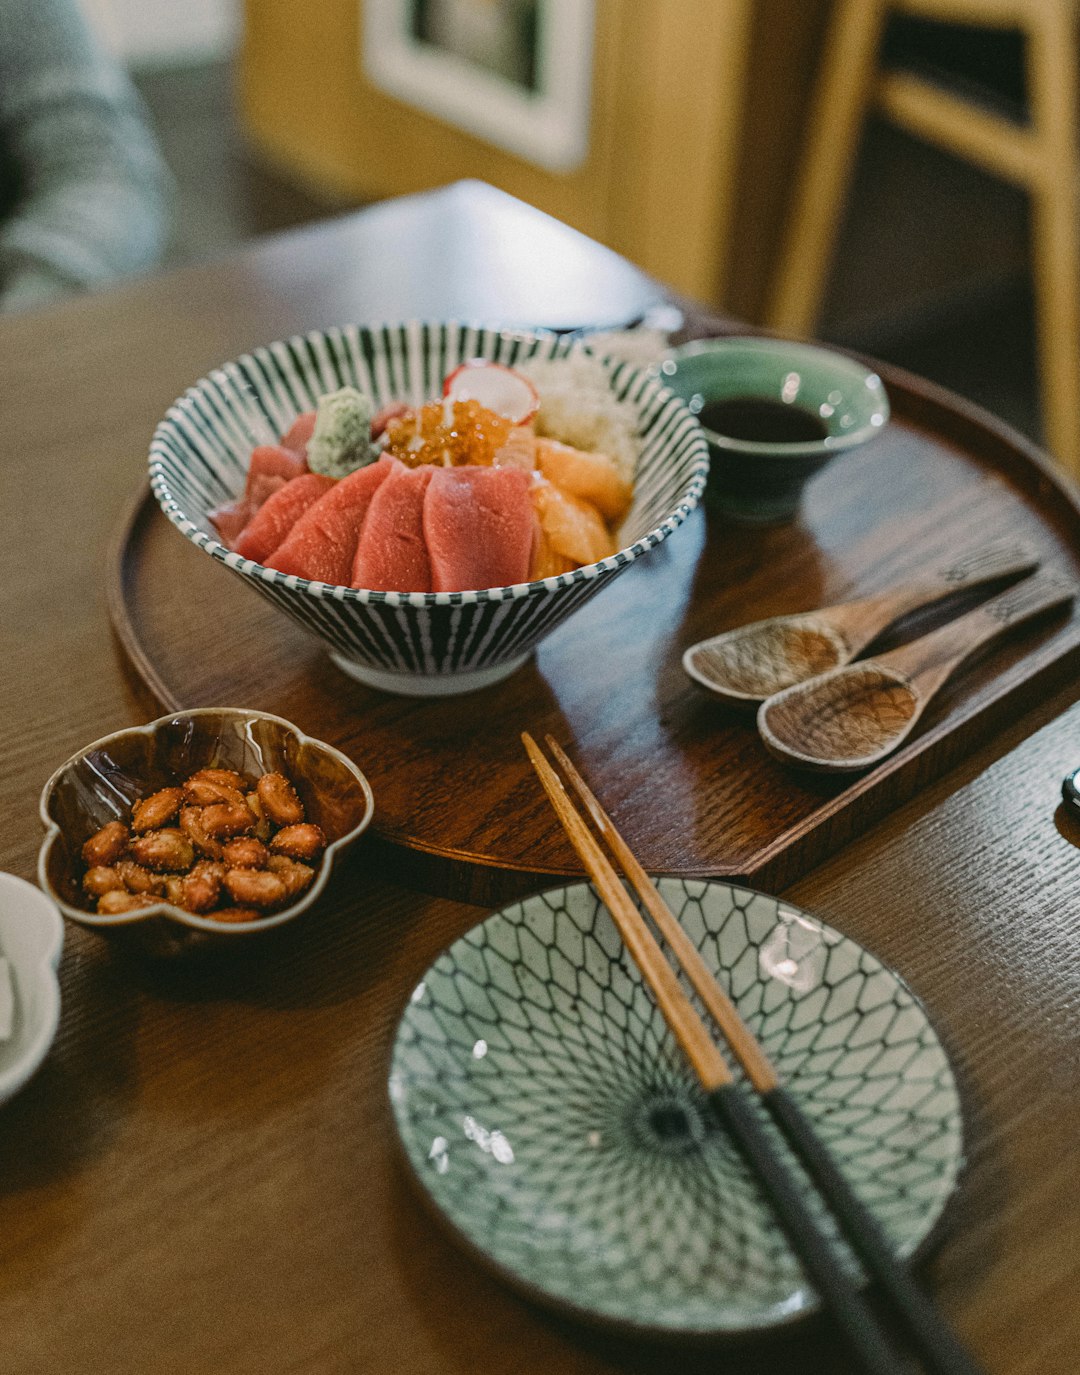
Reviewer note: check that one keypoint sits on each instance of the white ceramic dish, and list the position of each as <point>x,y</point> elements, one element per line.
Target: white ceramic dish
<point>31,938</point>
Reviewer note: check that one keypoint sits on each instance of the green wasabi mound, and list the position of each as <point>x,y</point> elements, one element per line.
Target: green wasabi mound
<point>342,442</point>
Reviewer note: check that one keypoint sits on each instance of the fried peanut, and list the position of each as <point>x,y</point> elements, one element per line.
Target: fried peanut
<point>204,792</point>
<point>263,828</point>
<point>156,810</point>
<point>223,819</point>
<point>294,875</point>
<point>226,778</point>
<point>235,914</point>
<point>279,799</point>
<point>200,890</point>
<point>138,879</point>
<point>191,823</point>
<point>299,842</point>
<point>102,879</point>
<point>107,845</point>
<point>245,853</point>
<point>174,890</point>
<point>255,887</point>
<point>114,902</point>
<point>168,850</point>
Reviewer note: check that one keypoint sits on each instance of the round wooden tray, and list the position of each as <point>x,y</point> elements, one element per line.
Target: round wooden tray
<point>458,809</point>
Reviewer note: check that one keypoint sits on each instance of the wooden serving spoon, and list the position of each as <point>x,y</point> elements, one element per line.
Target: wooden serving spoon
<point>755,661</point>
<point>851,717</point>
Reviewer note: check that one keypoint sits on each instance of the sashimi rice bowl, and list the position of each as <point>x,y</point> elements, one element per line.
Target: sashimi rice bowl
<point>428,499</point>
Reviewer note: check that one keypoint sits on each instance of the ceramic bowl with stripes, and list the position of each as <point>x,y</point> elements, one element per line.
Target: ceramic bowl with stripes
<point>416,643</point>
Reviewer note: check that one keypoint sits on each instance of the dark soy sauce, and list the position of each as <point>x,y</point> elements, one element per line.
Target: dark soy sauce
<point>762,421</point>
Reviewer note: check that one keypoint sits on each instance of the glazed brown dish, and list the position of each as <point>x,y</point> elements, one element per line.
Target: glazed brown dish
<point>112,782</point>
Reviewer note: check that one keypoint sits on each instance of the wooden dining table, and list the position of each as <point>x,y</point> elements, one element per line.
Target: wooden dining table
<point>203,1175</point>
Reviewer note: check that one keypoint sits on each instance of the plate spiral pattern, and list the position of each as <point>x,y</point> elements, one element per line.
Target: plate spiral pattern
<point>547,1112</point>
<point>200,452</point>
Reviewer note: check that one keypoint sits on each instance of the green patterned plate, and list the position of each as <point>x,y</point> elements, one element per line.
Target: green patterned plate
<point>547,1112</point>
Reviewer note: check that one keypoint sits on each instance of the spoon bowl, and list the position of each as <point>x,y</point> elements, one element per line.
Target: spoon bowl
<point>753,662</point>
<point>853,716</point>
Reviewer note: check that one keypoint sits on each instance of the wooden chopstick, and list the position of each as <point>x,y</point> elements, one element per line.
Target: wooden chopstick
<point>929,1334</point>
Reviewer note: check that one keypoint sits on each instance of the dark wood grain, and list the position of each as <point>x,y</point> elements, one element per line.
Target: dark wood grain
<point>203,1177</point>
<point>458,809</point>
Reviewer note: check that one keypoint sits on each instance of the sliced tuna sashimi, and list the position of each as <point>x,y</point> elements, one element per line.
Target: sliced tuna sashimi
<point>322,543</point>
<point>393,410</point>
<point>261,486</point>
<point>298,434</point>
<point>271,460</point>
<point>278,514</point>
<point>480,527</point>
<point>391,555</point>
<point>229,520</point>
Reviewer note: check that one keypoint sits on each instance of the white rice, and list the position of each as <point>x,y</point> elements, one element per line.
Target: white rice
<point>578,408</point>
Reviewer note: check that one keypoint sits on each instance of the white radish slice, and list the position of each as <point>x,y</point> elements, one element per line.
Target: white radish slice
<point>499,388</point>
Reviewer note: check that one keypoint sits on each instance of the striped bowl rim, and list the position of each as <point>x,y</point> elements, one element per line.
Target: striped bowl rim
<point>620,373</point>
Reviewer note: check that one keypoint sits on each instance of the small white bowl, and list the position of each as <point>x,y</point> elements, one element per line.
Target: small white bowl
<point>31,938</point>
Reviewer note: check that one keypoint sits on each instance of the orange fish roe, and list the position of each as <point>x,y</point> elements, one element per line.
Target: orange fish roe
<point>426,436</point>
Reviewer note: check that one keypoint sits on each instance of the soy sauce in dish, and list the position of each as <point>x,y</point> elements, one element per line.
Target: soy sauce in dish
<point>762,421</point>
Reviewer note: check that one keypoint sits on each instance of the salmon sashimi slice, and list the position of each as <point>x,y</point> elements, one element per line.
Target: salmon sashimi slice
<point>546,563</point>
<point>519,450</point>
<point>278,514</point>
<point>573,528</point>
<point>391,555</point>
<point>322,544</point>
<point>479,527</point>
<point>591,476</point>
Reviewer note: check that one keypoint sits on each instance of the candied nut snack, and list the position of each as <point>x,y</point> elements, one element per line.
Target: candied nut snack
<point>214,844</point>
<point>107,845</point>
<point>156,810</point>
<point>299,842</point>
<point>280,802</point>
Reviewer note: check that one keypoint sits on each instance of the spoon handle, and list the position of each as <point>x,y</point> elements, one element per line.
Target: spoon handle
<point>1000,559</point>
<point>928,661</point>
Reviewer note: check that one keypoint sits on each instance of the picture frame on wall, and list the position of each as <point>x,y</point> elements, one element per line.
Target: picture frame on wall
<point>516,73</point>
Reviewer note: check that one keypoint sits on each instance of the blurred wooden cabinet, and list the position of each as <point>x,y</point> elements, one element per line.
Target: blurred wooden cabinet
<point>669,155</point>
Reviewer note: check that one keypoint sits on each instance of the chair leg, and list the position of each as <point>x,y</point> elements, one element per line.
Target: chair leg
<point>1052,78</point>
<point>838,111</point>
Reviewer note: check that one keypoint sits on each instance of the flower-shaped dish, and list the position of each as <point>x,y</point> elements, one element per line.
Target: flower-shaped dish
<point>102,781</point>
<point>416,643</point>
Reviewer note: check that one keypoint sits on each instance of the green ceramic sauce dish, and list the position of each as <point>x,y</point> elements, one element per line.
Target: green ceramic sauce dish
<point>774,413</point>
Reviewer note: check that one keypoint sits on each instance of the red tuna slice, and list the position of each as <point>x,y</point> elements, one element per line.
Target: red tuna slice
<point>262,486</point>
<point>479,526</point>
<point>279,513</point>
<point>271,460</point>
<point>322,543</point>
<point>391,555</point>
<point>298,435</point>
<point>393,410</point>
<point>229,520</point>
